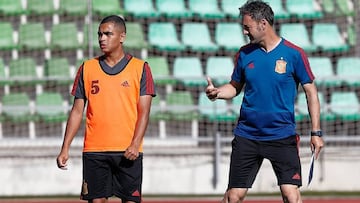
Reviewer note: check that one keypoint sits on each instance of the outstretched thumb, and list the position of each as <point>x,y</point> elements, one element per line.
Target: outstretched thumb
<point>209,81</point>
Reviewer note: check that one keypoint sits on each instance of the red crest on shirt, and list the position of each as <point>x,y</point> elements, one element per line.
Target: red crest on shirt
<point>280,66</point>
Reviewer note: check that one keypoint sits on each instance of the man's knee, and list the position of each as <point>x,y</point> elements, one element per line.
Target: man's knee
<point>235,195</point>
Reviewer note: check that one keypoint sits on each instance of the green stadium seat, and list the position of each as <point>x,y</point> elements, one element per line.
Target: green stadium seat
<point>6,36</point>
<point>214,110</point>
<point>57,70</point>
<point>141,8</point>
<point>327,36</point>
<point>11,8</point>
<point>303,9</point>
<point>64,36</point>
<point>181,106</point>
<point>279,11</point>
<point>231,7</point>
<point>107,7</point>
<point>23,71</point>
<point>163,36</point>
<point>173,8</point>
<point>208,9</point>
<point>236,103</point>
<point>4,80</point>
<point>135,37</point>
<point>40,7</point>
<point>302,108</point>
<point>160,70</point>
<point>229,36</point>
<point>323,70</point>
<point>50,107</point>
<point>188,71</point>
<point>197,37</point>
<point>297,34</point>
<point>345,105</point>
<point>219,69</point>
<point>16,108</point>
<point>348,69</point>
<point>73,8</point>
<point>32,36</point>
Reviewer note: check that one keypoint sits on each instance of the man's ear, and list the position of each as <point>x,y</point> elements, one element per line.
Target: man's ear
<point>263,24</point>
<point>122,37</point>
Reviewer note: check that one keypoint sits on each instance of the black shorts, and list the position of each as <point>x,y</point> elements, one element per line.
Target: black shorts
<point>247,156</point>
<point>106,174</point>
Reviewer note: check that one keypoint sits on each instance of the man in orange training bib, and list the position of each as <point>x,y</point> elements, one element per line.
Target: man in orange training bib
<point>118,89</point>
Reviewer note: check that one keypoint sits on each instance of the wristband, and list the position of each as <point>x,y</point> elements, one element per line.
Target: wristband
<point>317,133</point>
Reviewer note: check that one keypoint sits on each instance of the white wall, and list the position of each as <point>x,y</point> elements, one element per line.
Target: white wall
<point>173,175</point>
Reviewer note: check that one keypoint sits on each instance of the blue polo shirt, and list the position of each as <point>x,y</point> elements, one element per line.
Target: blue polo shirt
<point>271,81</point>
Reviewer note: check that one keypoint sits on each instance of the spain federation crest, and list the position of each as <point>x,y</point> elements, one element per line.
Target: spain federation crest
<point>280,66</point>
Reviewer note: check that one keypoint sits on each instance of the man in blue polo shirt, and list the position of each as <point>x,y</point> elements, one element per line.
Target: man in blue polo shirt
<point>270,68</point>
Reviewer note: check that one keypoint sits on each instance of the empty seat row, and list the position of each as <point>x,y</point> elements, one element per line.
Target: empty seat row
<point>179,105</point>
<point>345,72</point>
<point>173,8</point>
<point>326,37</point>
<point>25,71</point>
<point>164,36</point>
<point>48,107</point>
<point>196,35</point>
<point>190,71</point>
<point>343,106</point>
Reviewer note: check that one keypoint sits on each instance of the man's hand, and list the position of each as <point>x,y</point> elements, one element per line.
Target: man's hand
<point>316,143</point>
<point>61,160</point>
<point>211,91</point>
<point>132,153</point>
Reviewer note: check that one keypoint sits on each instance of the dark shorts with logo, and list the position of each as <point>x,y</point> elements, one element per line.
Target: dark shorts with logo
<point>247,156</point>
<point>107,174</point>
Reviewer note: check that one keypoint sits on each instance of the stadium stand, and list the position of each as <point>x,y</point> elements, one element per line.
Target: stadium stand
<point>182,40</point>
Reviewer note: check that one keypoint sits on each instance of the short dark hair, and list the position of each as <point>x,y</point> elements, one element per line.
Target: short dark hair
<point>258,10</point>
<point>117,20</point>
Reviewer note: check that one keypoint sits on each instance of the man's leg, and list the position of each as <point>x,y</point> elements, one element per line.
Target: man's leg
<point>290,193</point>
<point>234,195</point>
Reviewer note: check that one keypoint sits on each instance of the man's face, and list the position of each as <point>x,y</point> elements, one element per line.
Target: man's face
<point>110,37</point>
<point>252,29</point>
